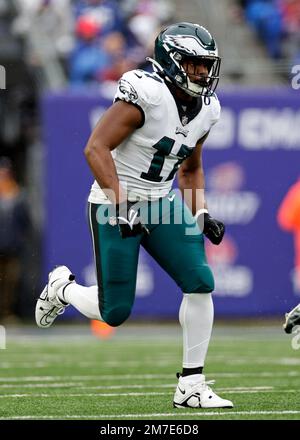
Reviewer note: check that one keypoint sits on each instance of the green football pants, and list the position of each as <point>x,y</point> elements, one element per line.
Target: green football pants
<point>175,242</point>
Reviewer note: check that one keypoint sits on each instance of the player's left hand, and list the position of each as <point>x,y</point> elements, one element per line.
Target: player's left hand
<point>213,229</point>
<point>129,221</point>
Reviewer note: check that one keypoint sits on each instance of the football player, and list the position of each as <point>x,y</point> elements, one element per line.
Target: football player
<point>155,128</point>
<point>292,319</point>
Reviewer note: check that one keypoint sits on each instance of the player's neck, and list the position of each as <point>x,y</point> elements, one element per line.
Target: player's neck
<point>179,95</point>
<point>182,96</point>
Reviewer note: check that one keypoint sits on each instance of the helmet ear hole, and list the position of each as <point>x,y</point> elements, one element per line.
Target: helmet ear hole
<point>168,63</point>
<point>178,56</point>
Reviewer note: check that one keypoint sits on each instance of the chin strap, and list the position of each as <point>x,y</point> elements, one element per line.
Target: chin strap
<point>156,66</point>
<point>158,69</point>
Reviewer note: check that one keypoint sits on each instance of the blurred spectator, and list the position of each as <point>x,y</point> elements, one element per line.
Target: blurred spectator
<point>110,42</point>
<point>53,17</point>
<point>95,60</point>
<point>15,225</point>
<point>93,40</point>
<point>266,19</point>
<point>87,57</point>
<point>144,27</point>
<point>118,58</point>
<point>277,22</point>
<point>291,15</point>
<point>105,13</point>
<point>289,220</point>
<point>290,10</point>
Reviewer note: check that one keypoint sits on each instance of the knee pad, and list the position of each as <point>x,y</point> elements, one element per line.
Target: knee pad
<point>200,281</point>
<point>116,315</point>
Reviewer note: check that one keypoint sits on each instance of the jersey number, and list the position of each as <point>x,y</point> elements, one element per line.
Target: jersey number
<point>164,147</point>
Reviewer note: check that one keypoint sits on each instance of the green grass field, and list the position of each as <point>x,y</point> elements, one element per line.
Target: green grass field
<point>66,373</point>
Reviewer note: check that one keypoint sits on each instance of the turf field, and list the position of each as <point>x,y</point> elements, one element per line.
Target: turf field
<point>66,373</point>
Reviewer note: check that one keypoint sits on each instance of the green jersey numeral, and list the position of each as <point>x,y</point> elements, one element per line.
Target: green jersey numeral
<point>164,147</point>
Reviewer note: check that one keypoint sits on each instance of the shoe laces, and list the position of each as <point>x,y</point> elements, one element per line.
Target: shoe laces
<point>203,386</point>
<point>200,386</point>
<point>59,308</point>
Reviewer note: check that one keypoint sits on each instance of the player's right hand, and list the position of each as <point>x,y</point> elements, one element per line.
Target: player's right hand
<point>213,229</point>
<point>128,219</point>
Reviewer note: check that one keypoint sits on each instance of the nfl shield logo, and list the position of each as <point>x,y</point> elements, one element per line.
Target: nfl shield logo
<point>184,120</point>
<point>112,221</point>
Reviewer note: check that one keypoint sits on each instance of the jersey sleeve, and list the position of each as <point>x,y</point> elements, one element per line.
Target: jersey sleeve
<point>213,117</point>
<point>132,89</point>
<point>216,110</point>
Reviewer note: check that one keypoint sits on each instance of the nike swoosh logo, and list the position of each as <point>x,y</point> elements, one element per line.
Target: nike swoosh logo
<point>172,197</point>
<point>43,321</point>
<point>182,391</point>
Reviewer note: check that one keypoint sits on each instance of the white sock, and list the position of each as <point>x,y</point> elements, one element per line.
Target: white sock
<point>196,316</point>
<point>84,299</point>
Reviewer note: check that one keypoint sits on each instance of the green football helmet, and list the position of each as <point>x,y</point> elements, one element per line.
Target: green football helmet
<point>190,42</point>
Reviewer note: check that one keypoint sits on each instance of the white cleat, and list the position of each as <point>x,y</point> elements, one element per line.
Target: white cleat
<point>292,319</point>
<point>193,392</point>
<point>49,306</point>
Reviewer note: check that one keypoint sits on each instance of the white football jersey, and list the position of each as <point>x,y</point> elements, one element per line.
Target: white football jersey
<point>147,160</point>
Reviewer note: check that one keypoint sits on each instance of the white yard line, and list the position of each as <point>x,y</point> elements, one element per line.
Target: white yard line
<point>169,385</point>
<point>176,413</point>
<point>43,385</point>
<point>99,395</point>
<point>145,362</point>
<point>82,395</point>
<point>103,377</point>
<point>118,387</point>
<point>83,364</point>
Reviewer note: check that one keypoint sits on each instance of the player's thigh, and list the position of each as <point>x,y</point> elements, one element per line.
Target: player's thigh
<point>116,263</point>
<point>179,250</point>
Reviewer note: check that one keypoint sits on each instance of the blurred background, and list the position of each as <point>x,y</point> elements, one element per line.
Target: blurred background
<point>62,60</point>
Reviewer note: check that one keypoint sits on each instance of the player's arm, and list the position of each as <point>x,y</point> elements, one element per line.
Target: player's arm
<point>191,183</point>
<point>191,179</point>
<point>117,123</point>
